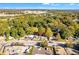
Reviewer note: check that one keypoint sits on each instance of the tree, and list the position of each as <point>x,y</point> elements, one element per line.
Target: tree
<point>72,30</point>
<point>76,33</point>
<point>31,30</point>
<point>58,37</point>
<point>14,32</point>
<point>35,29</point>
<point>3,27</point>
<point>44,43</point>
<point>41,30</point>
<point>69,43</point>
<point>65,33</point>
<point>48,33</point>
<point>7,34</point>
<point>21,32</point>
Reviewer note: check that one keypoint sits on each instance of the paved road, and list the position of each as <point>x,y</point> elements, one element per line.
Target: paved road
<point>29,42</point>
<point>26,43</point>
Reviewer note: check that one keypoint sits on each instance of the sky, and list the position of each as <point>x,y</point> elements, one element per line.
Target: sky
<point>39,5</point>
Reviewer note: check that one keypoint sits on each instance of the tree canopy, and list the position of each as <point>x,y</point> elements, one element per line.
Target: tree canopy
<point>61,22</point>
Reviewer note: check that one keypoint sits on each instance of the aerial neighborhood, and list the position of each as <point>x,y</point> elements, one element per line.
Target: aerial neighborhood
<point>39,32</point>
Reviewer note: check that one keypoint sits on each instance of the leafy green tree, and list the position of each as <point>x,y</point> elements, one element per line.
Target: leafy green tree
<point>14,32</point>
<point>76,33</point>
<point>7,34</point>
<point>3,27</point>
<point>65,33</point>
<point>21,32</point>
<point>31,30</point>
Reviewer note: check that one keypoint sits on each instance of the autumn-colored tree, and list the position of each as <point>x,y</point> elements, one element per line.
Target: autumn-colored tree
<point>48,33</point>
<point>44,43</point>
<point>3,27</point>
<point>58,37</point>
<point>69,43</point>
<point>31,30</point>
<point>41,30</point>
